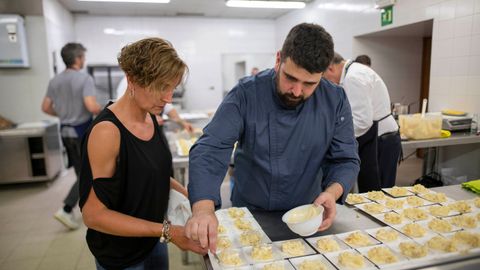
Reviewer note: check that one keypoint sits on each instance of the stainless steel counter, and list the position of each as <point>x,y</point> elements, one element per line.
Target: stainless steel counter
<point>349,219</point>
<point>461,151</point>
<point>455,139</point>
<point>30,152</point>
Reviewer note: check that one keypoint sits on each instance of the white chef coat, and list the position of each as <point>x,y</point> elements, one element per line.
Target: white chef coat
<point>122,86</point>
<point>368,97</point>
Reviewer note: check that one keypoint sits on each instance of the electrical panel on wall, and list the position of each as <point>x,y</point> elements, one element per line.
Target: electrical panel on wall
<point>13,42</point>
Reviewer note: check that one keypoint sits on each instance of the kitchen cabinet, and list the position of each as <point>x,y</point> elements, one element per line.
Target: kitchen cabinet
<point>30,152</point>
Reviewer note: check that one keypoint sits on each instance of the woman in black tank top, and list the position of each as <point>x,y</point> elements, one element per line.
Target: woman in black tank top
<point>126,163</point>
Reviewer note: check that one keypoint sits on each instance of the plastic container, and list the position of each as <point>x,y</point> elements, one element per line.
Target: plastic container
<point>414,127</point>
<point>450,176</point>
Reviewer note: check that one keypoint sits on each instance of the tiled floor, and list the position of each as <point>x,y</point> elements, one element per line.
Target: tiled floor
<point>30,238</point>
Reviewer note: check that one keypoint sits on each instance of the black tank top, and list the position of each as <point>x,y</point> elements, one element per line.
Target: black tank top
<point>139,188</point>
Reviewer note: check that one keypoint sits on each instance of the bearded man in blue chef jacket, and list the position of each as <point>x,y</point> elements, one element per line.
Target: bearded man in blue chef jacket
<point>295,136</point>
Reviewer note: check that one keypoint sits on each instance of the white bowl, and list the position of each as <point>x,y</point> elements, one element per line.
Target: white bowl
<point>306,226</point>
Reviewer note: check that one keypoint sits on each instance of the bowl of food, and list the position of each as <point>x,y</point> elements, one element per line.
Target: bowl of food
<point>305,219</point>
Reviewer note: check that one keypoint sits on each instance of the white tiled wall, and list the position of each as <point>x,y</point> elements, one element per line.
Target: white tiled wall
<point>200,42</point>
<point>455,65</point>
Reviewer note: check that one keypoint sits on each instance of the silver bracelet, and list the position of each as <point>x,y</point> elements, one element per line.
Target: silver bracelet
<point>165,237</point>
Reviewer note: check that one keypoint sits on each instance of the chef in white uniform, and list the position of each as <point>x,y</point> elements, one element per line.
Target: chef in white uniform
<point>375,128</point>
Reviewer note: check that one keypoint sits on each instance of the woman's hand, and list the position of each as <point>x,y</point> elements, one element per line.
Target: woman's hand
<point>181,241</point>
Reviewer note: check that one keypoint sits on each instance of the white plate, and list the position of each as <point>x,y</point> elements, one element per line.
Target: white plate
<point>469,202</point>
<point>297,261</point>
<point>365,199</point>
<point>223,213</point>
<point>427,209</point>
<point>472,201</point>
<point>333,258</point>
<point>463,246</point>
<point>217,265</point>
<point>362,207</point>
<point>384,203</point>
<point>396,247</point>
<point>470,215</point>
<point>410,188</point>
<point>227,224</point>
<point>381,218</point>
<point>343,236</point>
<point>448,200</point>
<point>307,248</point>
<point>401,237</point>
<point>276,254</point>
<point>313,243</point>
<point>429,217</point>
<point>233,239</point>
<point>264,238</point>
<point>366,196</point>
<point>400,258</point>
<point>438,253</point>
<point>424,202</point>
<point>454,228</point>
<point>286,265</point>
<point>428,234</point>
<point>189,143</point>
<point>389,191</point>
<point>253,223</point>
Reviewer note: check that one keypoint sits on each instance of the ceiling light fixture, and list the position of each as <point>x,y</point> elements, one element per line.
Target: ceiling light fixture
<point>265,4</point>
<point>130,1</point>
<point>347,7</point>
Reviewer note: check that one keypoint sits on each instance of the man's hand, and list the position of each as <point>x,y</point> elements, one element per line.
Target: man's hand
<point>179,239</point>
<point>328,199</point>
<point>202,226</point>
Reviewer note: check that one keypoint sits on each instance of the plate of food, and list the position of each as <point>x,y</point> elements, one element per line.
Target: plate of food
<point>312,262</point>
<point>327,244</point>
<point>294,248</point>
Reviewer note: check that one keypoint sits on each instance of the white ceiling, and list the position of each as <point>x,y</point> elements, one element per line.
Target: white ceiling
<point>204,8</point>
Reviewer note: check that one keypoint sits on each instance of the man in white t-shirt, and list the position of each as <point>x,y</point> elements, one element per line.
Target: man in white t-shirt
<point>168,109</point>
<point>374,126</point>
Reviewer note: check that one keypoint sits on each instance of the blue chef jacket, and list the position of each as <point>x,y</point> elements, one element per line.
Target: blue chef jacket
<point>284,157</point>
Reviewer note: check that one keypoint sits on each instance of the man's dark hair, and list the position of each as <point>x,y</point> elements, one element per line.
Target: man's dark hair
<point>309,46</point>
<point>70,52</point>
<point>337,58</point>
<point>364,59</point>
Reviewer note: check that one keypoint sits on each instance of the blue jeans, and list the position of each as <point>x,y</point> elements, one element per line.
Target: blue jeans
<point>157,259</point>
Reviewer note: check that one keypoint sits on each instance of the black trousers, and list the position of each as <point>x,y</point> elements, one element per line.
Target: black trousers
<point>369,175</point>
<point>72,145</point>
<point>389,150</point>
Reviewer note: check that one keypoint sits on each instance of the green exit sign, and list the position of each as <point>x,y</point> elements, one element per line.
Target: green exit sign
<point>387,16</point>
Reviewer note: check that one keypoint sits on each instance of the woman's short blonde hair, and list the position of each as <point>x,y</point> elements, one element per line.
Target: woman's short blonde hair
<point>152,63</point>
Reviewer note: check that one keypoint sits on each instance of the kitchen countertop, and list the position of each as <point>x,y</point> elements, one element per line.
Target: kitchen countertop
<point>27,129</point>
<point>349,219</point>
<point>455,139</point>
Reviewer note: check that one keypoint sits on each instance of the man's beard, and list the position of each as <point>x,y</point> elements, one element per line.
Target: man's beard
<point>289,100</point>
